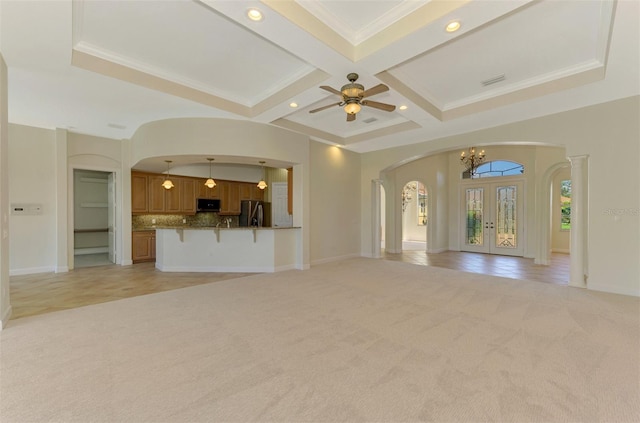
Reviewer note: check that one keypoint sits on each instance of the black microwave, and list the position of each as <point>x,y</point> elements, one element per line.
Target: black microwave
<point>209,205</point>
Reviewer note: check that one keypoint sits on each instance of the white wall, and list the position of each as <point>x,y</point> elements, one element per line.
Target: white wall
<point>609,134</point>
<point>335,203</point>
<point>31,180</point>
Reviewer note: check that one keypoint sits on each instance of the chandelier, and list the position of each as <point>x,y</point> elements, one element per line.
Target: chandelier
<point>472,161</point>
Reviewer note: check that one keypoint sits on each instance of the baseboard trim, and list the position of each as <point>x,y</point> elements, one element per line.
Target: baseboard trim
<point>613,290</point>
<point>62,269</point>
<point>90,250</point>
<point>126,262</point>
<point>217,269</point>
<point>437,250</point>
<point>4,320</point>
<point>561,250</point>
<point>336,258</point>
<point>31,270</point>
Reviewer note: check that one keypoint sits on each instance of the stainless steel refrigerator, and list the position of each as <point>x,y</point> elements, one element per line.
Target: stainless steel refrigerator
<point>255,213</point>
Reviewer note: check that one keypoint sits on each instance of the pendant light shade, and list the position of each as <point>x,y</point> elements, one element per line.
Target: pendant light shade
<point>262,184</point>
<point>210,182</point>
<point>167,184</point>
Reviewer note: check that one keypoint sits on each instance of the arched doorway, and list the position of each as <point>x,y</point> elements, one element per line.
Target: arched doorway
<point>414,216</point>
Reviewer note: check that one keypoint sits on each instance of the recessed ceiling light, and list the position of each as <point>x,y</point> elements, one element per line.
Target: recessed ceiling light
<point>403,107</point>
<point>293,104</point>
<point>452,26</point>
<point>254,14</point>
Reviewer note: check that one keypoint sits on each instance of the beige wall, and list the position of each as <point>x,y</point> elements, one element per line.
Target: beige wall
<point>31,180</point>
<point>432,171</point>
<point>335,202</point>
<point>41,173</point>
<point>609,134</point>
<point>5,305</point>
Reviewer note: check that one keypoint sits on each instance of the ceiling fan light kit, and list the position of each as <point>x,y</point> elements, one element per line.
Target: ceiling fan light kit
<point>352,97</point>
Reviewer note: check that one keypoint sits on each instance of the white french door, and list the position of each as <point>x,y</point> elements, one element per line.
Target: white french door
<point>493,217</point>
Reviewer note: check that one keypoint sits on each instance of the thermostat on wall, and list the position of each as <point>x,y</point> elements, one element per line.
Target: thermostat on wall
<point>26,209</point>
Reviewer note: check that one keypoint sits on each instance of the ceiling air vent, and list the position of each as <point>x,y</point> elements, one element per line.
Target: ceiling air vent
<point>494,80</point>
<point>370,120</point>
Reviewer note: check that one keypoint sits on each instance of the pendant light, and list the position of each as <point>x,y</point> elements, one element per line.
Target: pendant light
<point>262,184</point>
<point>210,182</point>
<point>167,184</point>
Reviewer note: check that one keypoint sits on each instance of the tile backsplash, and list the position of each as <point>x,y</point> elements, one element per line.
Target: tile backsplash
<point>197,220</point>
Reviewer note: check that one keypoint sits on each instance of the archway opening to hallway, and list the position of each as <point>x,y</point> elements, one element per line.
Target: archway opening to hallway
<point>414,216</point>
<point>442,175</point>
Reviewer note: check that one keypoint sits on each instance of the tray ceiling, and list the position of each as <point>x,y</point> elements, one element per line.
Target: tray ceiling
<point>138,61</point>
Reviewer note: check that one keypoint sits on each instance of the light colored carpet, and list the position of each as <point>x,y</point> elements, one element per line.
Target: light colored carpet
<point>359,340</point>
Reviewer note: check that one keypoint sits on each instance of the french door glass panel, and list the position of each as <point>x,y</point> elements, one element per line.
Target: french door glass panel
<point>506,228</point>
<point>474,204</point>
<point>493,218</point>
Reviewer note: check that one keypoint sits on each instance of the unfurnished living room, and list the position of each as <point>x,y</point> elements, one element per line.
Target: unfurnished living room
<point>320,211</point>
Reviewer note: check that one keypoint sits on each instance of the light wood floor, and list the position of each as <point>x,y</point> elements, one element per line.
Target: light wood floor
<point>504,266</point>
<point>47,292</point>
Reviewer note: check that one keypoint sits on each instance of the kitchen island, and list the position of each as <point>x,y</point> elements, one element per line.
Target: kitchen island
<point>236,249</point>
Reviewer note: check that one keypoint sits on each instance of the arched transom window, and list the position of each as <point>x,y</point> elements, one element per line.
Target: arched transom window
<point>494,169</point>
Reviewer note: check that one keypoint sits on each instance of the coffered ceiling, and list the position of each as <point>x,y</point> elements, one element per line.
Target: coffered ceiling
<point>107,67</point>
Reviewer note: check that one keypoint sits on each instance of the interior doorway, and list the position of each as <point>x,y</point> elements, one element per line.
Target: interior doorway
<point>279,205</point>
<point>94,221</point>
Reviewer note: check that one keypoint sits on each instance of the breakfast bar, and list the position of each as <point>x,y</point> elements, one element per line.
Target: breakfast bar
<point>221,249</point>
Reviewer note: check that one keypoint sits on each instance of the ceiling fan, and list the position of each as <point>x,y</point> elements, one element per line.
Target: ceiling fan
<point>352,97</point>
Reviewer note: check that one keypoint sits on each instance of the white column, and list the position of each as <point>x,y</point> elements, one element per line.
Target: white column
<point>376,236</point>
<point>578,221</point>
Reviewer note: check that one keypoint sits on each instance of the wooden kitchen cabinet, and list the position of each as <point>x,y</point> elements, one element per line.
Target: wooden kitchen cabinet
<point>244,191</point>
<point>256,193</point>
<point>139,196</point>
<point>229,198</point>
<point>143,246</point>
<point>156,194</point>
<point>188,195</point>
<point>148,196</point>
<point>290,190</point>
<point>173,196</point>
<point>206,192</point>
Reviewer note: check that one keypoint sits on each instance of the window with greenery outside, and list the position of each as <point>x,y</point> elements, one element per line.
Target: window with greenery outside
<point>565,205</point>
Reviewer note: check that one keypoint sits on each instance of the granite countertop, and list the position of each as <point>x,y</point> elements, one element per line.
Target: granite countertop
<point>200,228</point>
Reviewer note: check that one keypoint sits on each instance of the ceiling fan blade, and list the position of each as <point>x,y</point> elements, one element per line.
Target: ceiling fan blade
<point>351,117</point>
<point>381,106</point>
<point>331,90</point>
<point>380,88</point>
<point>324,107</point>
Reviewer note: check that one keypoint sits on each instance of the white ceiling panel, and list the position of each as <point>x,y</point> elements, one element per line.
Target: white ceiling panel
<point>544,39</point>
<point>188,43</point>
